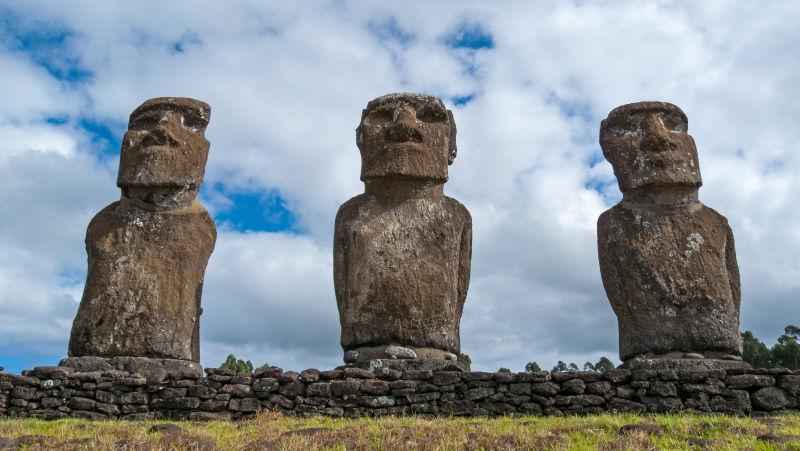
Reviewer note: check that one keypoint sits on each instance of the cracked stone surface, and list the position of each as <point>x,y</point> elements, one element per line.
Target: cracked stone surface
<point>667,261</point>
<point>147,252</point>
<point>402,249</point>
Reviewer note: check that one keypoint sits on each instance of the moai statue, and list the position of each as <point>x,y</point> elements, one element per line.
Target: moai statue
<point>148,251</point>
<point>667,261</point>
<point>402,249</point>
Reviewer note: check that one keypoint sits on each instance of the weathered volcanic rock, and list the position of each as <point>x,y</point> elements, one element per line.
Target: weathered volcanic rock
<point>402,249</point>
<point>148,251</point>
<point>668,262</point>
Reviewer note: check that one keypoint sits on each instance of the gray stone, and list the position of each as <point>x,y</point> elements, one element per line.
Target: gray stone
<point>239,390</point>
<point>319,389</point>
<point>183,403</point>
<point>292,389</point>
<point>22,392</point>
<point>475,394</point>
<point>580,400</point>
<point>400,352</point>
<point>201,391</point>
<point>375,387</point>
<point>266,384</point>
<point>108,409</point>
<point>573,387</point>
<point>133,398</point>
<point>446,377</point>
<point>464,407</point>
<point>424,397</point>
<point>663,389</point>
<point>585,376</point>
<point>545,388</point>
<point>790,383</point>
<point>772,398</point>
<point>749,380</point>
<point>78,403</point>
<point>598,388</point>
<point>244,405</point>
<point>345,387</point>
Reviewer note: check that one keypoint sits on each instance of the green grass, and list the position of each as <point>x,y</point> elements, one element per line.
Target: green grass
<point>274,431</point>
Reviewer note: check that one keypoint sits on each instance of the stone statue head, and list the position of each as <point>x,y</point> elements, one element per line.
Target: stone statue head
<point>405,135</point>
<point>164,149</point>
<point>649,148</point>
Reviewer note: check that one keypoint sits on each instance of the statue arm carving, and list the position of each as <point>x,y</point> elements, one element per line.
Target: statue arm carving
<point>464,264</point>
<point>609,263</point>
<point>732,267</point>
<point>339,260</point>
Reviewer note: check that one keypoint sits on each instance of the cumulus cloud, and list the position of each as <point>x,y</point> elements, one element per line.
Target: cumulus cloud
<point>287,82</point>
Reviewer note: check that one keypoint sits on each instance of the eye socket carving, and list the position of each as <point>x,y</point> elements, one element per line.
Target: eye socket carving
<point>193,121</point>
<point>432,115</point>
<point>145,121</point>
<point>633,124</point>
<point>378,116</point>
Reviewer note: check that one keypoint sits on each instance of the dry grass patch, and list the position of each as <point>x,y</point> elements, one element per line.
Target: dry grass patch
<point>275,431</point>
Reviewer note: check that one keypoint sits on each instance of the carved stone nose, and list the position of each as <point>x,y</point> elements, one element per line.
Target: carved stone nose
<point>159,136</point>
<point>404,114</point>
<point>401,132</point>
<point>656,137</point>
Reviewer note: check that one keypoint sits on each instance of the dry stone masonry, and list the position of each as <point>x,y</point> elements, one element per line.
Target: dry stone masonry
<point>667,261</point>
<point>349,391</point>
<point>148,251</point>
<point>402,249</point>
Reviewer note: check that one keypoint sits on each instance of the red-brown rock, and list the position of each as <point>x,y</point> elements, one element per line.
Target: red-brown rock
<point>668,262</point>
<point>148,251</point>
<point>402,249</point>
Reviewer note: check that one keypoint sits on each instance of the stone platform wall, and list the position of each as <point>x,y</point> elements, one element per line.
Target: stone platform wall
<point>55,392</point>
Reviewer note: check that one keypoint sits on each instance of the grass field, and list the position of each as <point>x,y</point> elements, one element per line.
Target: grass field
<point>274,431</point>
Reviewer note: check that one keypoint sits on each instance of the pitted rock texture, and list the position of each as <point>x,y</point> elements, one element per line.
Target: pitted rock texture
<point>165,145</point>
<point>402,249</point>
<point>667,261</point>
<point>348,391</point>
<point>148,251</point>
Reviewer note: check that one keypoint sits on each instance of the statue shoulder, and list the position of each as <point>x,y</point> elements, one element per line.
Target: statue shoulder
<point>351,206</point>
<point>458,208</point>
<point>714,215</point>
<point>611,218</point>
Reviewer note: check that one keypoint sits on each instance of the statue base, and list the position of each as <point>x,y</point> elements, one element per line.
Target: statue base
<point>152,368</point>
<point>395,352</point>
<point>684,363</point>
<point>411,364</point>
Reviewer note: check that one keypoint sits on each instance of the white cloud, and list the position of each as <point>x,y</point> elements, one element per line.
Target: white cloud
<point>287,82</point>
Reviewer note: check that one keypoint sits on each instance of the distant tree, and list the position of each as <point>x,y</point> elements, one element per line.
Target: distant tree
<point>238,365</point>
<point>464,358</point>
<point>604,364</point>
<point>504,370</point>
<point>560,367</point>
<point>588,366</point>
<point>786,352</point>
<point>533,367</point>
<point>573,367</point>
<point>754,351</point>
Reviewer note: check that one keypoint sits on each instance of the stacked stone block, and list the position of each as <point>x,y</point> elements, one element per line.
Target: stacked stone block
<point>348,391</point>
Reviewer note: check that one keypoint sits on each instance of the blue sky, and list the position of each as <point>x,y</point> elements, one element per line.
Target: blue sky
<point>528,85</point>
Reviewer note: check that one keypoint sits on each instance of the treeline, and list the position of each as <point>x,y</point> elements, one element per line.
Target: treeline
<point>785,353</point>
